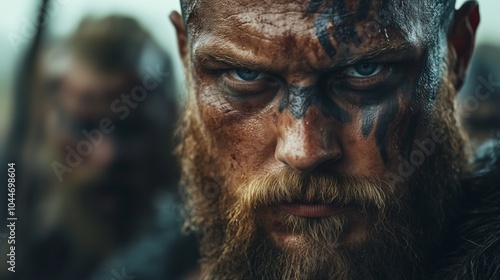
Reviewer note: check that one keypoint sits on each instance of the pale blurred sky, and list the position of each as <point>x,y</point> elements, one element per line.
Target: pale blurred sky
<point>16,18</point>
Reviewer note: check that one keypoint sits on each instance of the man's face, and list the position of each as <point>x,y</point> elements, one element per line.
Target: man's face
<point>108,193</point>
<point>300,138</point>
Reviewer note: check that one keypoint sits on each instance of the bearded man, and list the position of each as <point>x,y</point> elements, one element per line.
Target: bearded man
<point>98,149</point>
<point>320,139</point>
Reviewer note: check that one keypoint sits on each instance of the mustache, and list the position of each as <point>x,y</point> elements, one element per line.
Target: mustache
<point>289,186</point>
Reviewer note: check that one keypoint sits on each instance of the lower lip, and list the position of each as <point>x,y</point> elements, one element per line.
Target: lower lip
<point>311,210</point>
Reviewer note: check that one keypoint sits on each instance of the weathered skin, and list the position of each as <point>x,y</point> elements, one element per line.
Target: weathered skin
<point>332,111</point>
<point>305,106</point>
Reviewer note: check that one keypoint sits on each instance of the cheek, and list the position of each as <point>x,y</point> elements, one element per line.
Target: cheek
<point>363,154</point>
<point>245,141</point>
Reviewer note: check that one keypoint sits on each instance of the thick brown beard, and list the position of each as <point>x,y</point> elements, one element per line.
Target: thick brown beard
<point>404,240</point>
<point>248,251</point>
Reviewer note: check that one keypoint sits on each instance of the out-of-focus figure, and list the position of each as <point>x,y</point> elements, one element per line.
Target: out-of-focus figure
<point>100,144</point>
<point>479,100</point>
<point>478,104</point>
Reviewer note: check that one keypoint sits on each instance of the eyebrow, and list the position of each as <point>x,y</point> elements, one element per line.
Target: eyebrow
<point>231,60</point>
<point>400,51</point>
<point>234,57</point>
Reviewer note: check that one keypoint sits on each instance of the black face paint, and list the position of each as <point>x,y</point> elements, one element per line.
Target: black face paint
<point>384,115</point>
<point>320,28</point>
<point>415,97</point>
<point>390,110</point>
<point>336,13</point>
<point>343,21</point>
<point>299,99</point>
<point>410,97</point>
<point>423,94</point>
<point>369,115</point>
<point>314,6</point>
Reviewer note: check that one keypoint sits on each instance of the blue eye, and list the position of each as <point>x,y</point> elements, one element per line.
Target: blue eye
<point>247,75</point>
<point>364,70</point>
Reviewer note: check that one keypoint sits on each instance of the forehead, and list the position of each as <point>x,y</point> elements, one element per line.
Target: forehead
<point>328,30</point>
<point>342,11</point>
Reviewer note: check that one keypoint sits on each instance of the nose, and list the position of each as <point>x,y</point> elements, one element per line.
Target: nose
<point>307,143</point>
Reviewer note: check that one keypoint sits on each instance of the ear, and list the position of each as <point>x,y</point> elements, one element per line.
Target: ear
<point>182,37</point>
<point>462,38</point>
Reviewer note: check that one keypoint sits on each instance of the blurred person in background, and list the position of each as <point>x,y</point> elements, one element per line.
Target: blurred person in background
<point>479,101</point>
<point>479,106</point>
<point>100,143</point>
